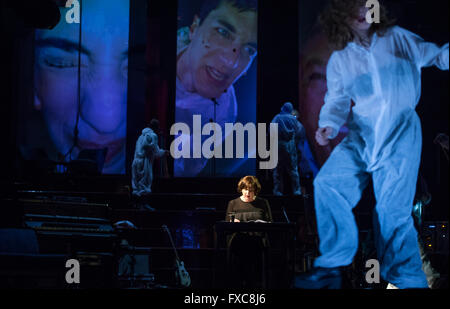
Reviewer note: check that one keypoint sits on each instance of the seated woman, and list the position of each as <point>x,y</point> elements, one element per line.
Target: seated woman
<point>246,249</point>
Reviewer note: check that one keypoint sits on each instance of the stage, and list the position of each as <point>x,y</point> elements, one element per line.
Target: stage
<point>61,219</point>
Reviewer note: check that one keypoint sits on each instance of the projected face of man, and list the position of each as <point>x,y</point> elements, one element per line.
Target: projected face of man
<point>103,93</point>
<point>222,48</point>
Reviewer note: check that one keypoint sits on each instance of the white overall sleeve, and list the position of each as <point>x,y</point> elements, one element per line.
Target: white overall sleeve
<point>334,112</point>
<point>157,152</point>
<point>426,54</point>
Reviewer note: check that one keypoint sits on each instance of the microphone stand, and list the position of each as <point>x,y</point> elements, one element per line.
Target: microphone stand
<point>75,130</point>
<point>214,100</point>
<point>285,214</point>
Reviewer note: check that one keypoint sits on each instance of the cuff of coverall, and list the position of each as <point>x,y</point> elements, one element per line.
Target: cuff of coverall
<point>445,56</point>
<point>323,124</point>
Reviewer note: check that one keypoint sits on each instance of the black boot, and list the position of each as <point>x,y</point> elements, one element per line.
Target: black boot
<point>320,278</point>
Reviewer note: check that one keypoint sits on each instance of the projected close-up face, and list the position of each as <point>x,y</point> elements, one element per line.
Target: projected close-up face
<point>103,75</point>
<point>216,76</point>
<point>222,47</point>
<point>312,90</point>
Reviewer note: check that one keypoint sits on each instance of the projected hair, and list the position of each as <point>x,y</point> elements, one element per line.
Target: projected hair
<point>241,5</point>
<point>335,21</point>
<point>250,183</point>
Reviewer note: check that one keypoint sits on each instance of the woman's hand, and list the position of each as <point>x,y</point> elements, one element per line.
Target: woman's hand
<point>322,135</point>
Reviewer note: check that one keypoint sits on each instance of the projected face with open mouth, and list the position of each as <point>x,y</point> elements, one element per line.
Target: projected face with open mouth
<point>216,46</point>
<point>103,88</point>
<point>222,48</point>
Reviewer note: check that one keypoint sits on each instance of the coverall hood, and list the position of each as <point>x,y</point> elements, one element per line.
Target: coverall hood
<point>287,108</point>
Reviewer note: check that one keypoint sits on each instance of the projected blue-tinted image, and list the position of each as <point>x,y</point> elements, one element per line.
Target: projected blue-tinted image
<point>216,77</point>
<point>93,115</point>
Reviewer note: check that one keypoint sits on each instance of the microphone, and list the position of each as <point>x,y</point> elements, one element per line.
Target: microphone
<point>442,140</point>
<point>285,214</point>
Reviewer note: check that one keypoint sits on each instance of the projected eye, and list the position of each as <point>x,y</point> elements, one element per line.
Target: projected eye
<point>224,32</point>
<point>60,63</point>
<point>251,51</point>
<point>317,76</point>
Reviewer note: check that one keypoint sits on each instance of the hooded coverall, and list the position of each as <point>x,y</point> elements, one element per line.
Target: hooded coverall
<point>142,167</point>
<point>290,132</point>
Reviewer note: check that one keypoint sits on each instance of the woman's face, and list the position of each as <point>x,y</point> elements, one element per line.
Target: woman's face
<point>248,195</point>
<point>359,22</point>
<point>103,81</point>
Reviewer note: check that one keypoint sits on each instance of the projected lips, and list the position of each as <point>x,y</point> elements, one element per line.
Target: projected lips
<point>216,74</point>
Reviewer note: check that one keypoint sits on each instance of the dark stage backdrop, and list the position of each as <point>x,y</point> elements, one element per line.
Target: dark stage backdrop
<point>430,20</point>
<point>129,75</point>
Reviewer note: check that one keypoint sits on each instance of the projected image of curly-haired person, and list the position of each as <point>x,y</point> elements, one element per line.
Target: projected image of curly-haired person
<point>213,53</point>
<point>378,67</point>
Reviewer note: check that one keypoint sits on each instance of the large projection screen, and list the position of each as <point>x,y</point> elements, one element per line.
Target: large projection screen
<point>80,78</point>
<point>216,83</point>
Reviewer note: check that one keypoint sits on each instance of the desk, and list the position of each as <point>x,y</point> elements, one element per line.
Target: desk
<point>281,240</point>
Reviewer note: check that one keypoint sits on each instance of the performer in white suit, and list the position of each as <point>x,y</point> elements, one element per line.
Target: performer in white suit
<point>147,150</point>
<point>380,71</point>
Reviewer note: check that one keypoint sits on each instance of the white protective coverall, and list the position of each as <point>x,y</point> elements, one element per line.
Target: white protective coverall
<point>147,150</point>
<point>384,142</point>
<point>290,131</point>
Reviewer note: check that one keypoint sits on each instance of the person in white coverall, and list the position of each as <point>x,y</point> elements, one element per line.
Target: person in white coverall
<point>147,150</point>
<point>307,165</point>
<point>381,74</point>
<point>290,131</point>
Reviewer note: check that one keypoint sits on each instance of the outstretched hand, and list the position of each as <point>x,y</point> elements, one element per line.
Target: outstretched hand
<point>322,135</point>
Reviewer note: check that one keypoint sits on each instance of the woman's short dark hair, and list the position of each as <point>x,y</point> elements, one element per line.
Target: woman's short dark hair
<point>241,5</point>
<point>250,183</point>
<point>334,21</point>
